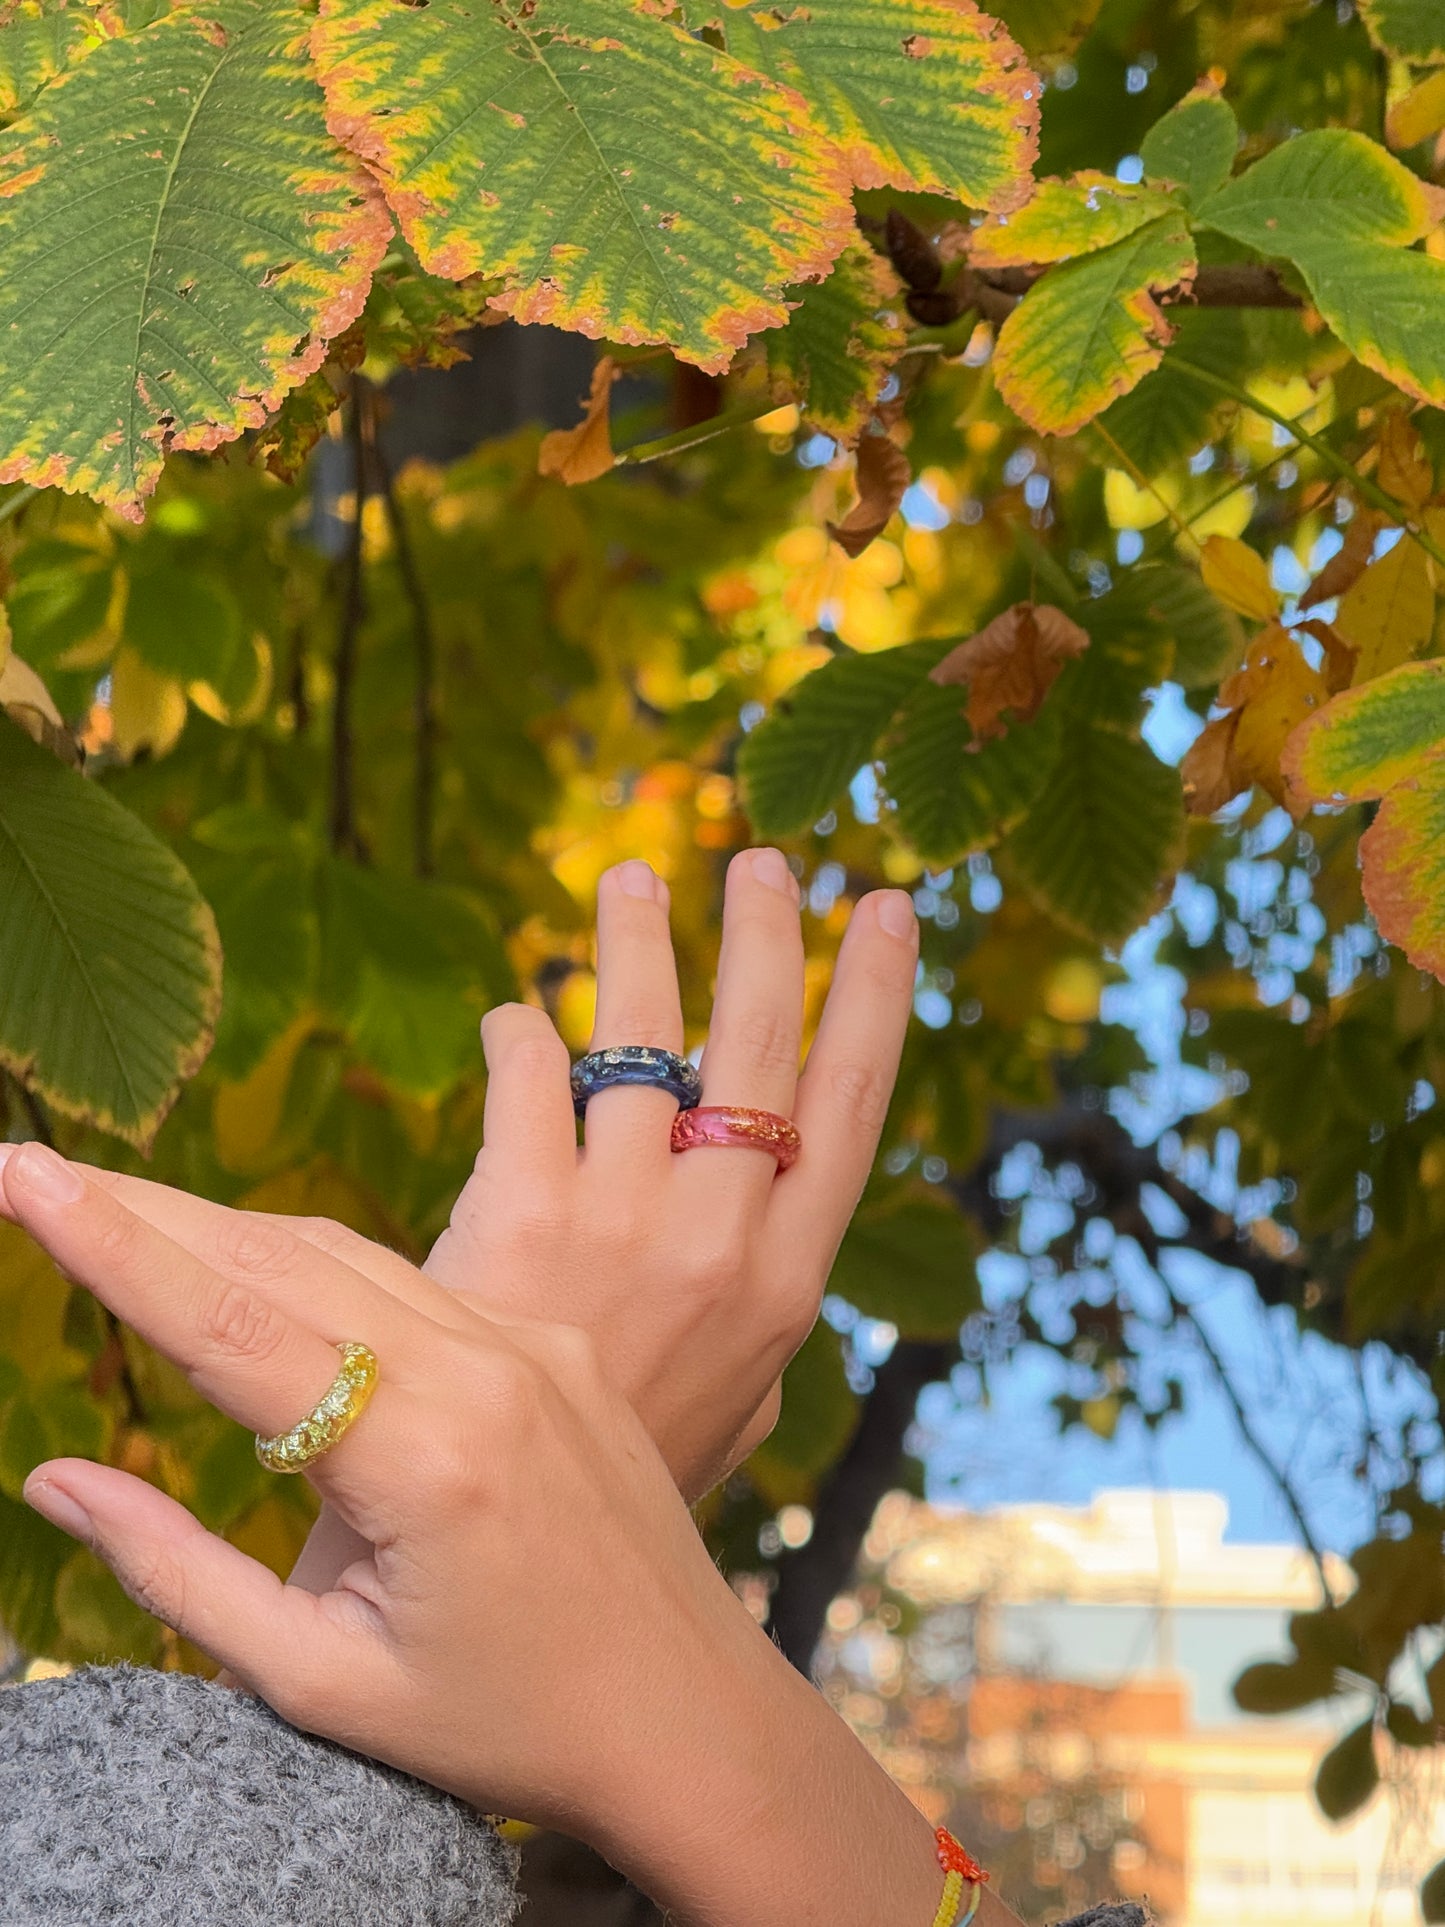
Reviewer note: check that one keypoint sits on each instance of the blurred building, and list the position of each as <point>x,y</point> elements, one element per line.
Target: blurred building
<point>1054,1683</point>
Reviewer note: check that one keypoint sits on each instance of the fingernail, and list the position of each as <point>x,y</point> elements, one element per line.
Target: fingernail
<point>44,1172</point>
<point>638,879</point>
<point>895,913</point>
<point>60,1509</point>
<point>7,1151</point>
<point>771,867</point>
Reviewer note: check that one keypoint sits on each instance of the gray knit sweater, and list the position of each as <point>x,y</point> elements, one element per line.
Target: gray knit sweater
<point>160,1800</point>
<point>138,1799</point>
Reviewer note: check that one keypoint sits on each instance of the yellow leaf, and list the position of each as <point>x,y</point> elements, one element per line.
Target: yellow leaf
<point>1418,114</point>
<point>147,709</point>
<point>1239,577</point>
<point>1101,1415</point>
<point>1389,615</point>
<point>247,1116</point>
<point>583,453</point>
<point>1273,691</point>
<point>1065,218</point>
<point>1404,470</point>
<point>1129,506</point>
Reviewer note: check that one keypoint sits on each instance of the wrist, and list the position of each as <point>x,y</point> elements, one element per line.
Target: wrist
<point>761,1809</point>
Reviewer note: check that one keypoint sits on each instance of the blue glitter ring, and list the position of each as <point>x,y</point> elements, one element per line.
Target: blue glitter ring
<point>635,1064</point>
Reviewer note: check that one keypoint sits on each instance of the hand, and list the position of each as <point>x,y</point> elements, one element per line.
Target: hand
<point>535,1625</point>
<point>697,1276</point>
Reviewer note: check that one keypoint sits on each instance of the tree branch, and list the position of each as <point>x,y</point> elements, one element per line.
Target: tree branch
<point>813,1576</point>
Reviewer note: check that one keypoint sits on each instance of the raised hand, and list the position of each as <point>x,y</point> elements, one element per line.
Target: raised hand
<point>532,1623</point>
<point>697,1276</point>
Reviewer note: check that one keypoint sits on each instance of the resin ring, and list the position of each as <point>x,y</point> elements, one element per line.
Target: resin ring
<point>327,1421</point>
<point>635,1064</point>
<point>739,1126</point>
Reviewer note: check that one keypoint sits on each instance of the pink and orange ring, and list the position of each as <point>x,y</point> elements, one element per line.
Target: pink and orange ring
<point>739,1127</point>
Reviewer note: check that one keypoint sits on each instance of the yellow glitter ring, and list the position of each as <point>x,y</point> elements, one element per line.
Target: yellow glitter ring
<point>330,1419</point>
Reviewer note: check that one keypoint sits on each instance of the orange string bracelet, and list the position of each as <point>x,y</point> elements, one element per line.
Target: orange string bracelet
<point>960,1870</point>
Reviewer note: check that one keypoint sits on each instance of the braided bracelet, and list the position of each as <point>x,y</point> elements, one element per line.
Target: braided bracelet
<point>960,1870</point>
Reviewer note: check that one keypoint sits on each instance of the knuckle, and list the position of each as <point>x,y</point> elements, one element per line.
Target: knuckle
<point>860,1091</point>
<point>235,1324</point>
<point>717,1257</point>
<point>117,1238</point>
<point>156,1581</point>
<point>574,1355</point>
<point>766,1040</point>
<point>254,1247</point>
<point>509,1028</point>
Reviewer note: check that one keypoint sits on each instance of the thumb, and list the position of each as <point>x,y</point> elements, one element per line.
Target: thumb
<point>277,1640</point>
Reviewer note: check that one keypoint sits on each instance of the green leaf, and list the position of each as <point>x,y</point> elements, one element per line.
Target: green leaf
<point>911,1262</point>
<point>98,1622</point>
<point>35,46</point>
<point>1384,303</point>
<point>1090,329</point>
<point>1101,842</point>
<point>60,599</point>
<point>1366,740</point>
<point>1170,415</point>
<point>922,95</point>
<point>1272,1686</point>
<point>1173,603</point>
<point>1107,683</point>
<point>954,795</point>
<point>1065,219</point>
<point>818,1415</point>
<point>257,877</point>
<point>1432,1896</point>
<point>843,337</point>
<point>33,1553</point>
<point>401,970</point>
<point>184,623</point>
<point>1318,191</point>
<point>497,136</point>
<point>797,762</point>
<point>1349,1773</point>
<point>109,963</point>
<point>1412,30</point>
<point>235,240</point>
<point>1047,26</point>
<point>1194,145</point>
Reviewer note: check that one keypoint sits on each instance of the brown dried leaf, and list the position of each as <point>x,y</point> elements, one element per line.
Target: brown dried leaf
<point>1011,665</point>
<point>1348,564</point>
<point>882,478</point>
<point>583,453</point>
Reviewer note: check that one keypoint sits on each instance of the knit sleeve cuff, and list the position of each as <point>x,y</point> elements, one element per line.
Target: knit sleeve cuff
<point>148,1799</point>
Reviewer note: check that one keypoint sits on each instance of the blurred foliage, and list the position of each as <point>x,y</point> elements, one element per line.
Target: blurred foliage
<point>381,733</point>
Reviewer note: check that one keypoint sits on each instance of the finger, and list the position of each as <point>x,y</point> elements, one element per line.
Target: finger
<point>281,1641</point>
<point>242,1351</point>
<point>847,1083</point>
<point>528,1125</point>
<point>757,1020</point>
<point>637,1003</point>
<point>266,1247</point>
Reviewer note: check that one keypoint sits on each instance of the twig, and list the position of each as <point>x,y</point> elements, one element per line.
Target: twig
<point>424,703</point>
<point>1277,1474</point>
<point>1397,511</point>
<point>13,504</point>
<point>696,435</point>
<point>345,838</point>
<point>1142,480</point>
